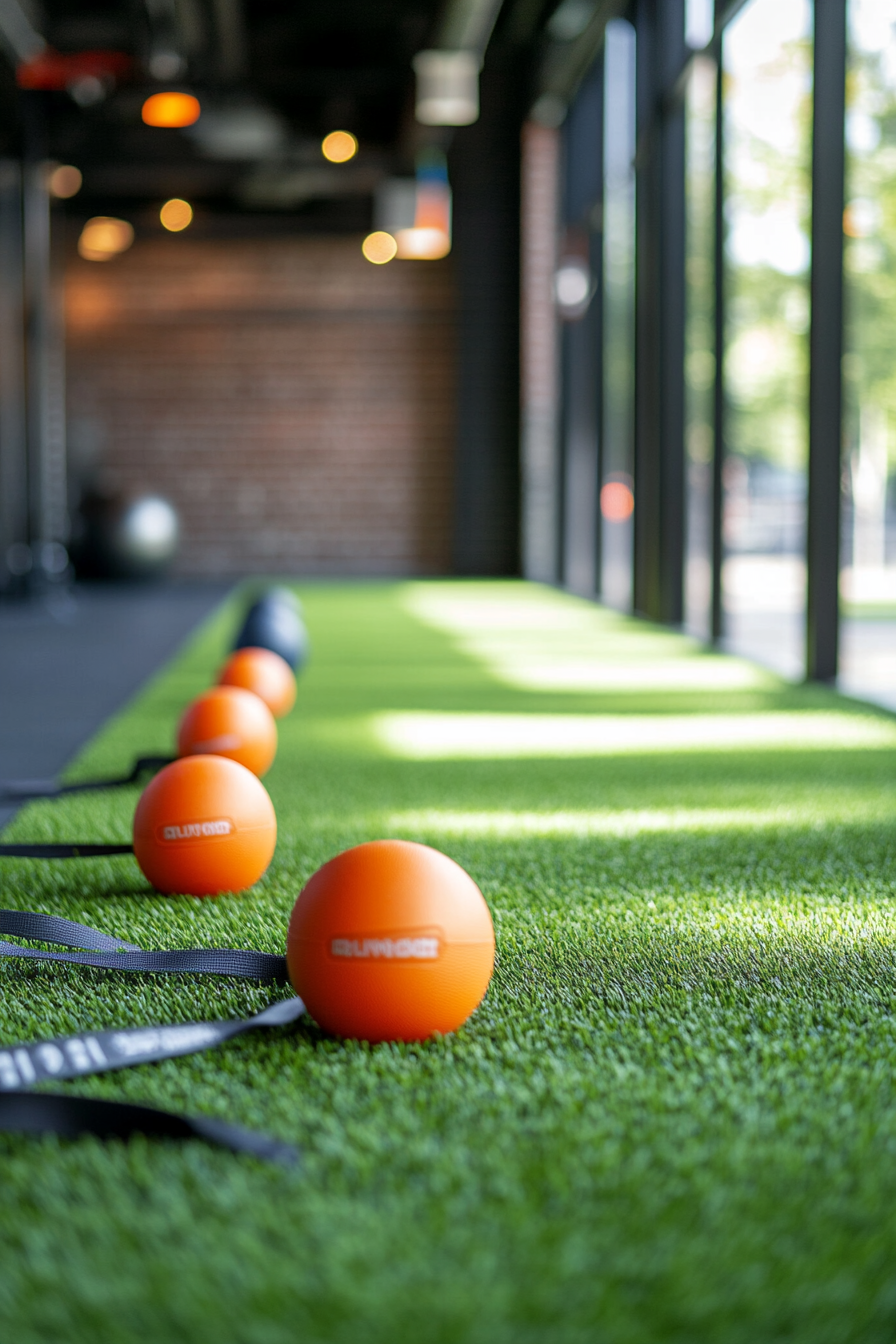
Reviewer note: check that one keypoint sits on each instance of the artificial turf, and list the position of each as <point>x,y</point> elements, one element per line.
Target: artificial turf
<point>672,1119</point>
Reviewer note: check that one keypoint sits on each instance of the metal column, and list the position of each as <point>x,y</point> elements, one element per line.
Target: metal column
<point>826,341</point>
<point>15,556</point>
<point>484,161</point>
<point>45,364</point>
<point>660,314</point>
<point>717,558</point>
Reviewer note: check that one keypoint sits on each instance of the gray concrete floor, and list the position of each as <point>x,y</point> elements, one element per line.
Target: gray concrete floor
<point>867,651</point>
<point>70,660</point>
<point>774,638</point>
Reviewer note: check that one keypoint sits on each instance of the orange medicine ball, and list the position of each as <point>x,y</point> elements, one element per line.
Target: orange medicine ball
<point>228,721</point>
<point>204,825</point>
<point>265,673</point>
<point>390,941</point>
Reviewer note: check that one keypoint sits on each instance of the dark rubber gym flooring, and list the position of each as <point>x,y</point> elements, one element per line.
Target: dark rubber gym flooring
<point>70,659</point>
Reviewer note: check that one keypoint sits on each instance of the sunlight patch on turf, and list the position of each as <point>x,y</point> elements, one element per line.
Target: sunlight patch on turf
<point>584,674</point>
<point>464,608</point>
<point>536,640</point>
<point>509,825</point>
<point>425,736</point>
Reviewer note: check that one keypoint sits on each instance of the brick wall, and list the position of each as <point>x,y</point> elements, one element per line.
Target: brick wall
<point>539,351</point>
<point>294,402</point>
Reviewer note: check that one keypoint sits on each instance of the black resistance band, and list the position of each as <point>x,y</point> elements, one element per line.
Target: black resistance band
<point>111,954</point>
<point>70,1117</point>
<point>68,1057</point>
<point>21,790</point>
<point>68,850</point>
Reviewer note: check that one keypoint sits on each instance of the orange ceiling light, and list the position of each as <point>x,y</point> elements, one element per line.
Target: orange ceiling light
<point>430,237</point>
<point>379,247</point>
<point>176,215</point>
<point>422,244</point>
<point>339,146</point>
<point>103,238</point>
<point>64,181</point>
<point>171,109</point>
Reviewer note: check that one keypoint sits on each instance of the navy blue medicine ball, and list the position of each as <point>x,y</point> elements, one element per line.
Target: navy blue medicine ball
<point>273,622</point>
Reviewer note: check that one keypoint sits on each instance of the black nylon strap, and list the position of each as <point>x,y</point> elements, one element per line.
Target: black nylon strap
<point>54,929</point>
<point>112,955</point>
<point>57,1113</point>
<point>62,851</point>
<point>100,1051</point>
<point>19,790</point>
<point>96,1052</point>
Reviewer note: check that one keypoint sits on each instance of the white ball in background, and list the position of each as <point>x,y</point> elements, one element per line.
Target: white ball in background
<point>148,531</point>
<point>572,288</point>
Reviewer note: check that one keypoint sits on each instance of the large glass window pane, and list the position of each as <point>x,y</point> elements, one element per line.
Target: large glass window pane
<point>618,314</point>
<point>767,53</point>
<point>868,552</point>
<point>700,362</point>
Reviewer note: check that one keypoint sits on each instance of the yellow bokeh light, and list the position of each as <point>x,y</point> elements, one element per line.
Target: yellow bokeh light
<point>339,146</point>
<point>103,237</point>
<point>64,181</point>
<point>176,215</point>
<point>379,247</point>
<point>171,109</point>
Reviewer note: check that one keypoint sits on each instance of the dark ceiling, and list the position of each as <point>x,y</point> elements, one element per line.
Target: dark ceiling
<point>353,55</point>
<point>273,76</point>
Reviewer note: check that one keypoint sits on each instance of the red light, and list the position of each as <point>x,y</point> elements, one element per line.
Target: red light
<point>616,502</point>
<point>53,70</point>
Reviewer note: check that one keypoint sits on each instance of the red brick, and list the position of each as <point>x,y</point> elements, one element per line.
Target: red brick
<point>294,402</point>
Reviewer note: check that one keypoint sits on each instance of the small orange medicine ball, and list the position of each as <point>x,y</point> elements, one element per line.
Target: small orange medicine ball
<point>265,673</point>
<point>228,721</point>
<point>390,941</point>
<point>204,825</point>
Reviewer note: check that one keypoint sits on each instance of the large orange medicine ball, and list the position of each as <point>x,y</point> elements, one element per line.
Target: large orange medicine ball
<point>228,721</point>
<point>264,673</point>
<point>390,941</point>
<point>204,825</point>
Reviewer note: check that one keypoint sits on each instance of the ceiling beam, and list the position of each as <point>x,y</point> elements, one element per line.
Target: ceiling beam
<point>17,33</point>
<point>466,25</point>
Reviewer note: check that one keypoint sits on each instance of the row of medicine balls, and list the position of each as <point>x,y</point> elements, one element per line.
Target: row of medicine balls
<point>390,940</point>
<point>205,824</point>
